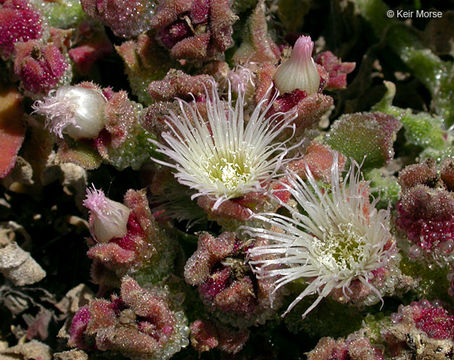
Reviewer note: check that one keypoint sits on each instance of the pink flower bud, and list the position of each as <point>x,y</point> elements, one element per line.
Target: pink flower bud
<point>298,72</point>
<point>108,218</point>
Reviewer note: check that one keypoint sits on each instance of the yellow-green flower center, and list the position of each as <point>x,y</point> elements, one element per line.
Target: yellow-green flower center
<point>342,247</point>
<point>231,169</point>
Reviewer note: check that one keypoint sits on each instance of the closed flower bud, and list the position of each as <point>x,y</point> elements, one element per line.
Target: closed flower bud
<point>298,72</point>
<point>108,218</point>
<point>73,110</point>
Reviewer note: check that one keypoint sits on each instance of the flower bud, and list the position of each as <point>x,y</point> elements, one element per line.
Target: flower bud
<point>40,67</point>
<point>108,218</point>
<point>298,72</point>
<point>78,111</point>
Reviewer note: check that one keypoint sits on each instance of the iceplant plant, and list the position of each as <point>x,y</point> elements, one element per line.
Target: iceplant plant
<point>338,237</point>
<point>224,156</point>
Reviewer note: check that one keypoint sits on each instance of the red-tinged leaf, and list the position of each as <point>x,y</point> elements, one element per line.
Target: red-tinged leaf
<point>12,129</point>
<point>336,69</point>
<point>111,254</point>
<point>319,159</point>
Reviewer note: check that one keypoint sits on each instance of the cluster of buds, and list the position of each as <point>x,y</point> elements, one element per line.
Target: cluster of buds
<point>194,29</point>
<point>137,323</point>
<point>225,282</point>
<point>353,348</point>
<point>421,330</point>
<point>39,63</point>
<point>41,53</point>
<point>426,209</point>
<point>40,67</point>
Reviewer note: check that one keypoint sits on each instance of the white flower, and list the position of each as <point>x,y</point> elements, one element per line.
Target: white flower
<point>298,72</point>
<point>225,156</point>
<point>108,218</point>
<point>74,110</point>
<point>337,238</point>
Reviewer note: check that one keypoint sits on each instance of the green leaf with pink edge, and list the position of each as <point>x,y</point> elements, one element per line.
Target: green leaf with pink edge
<point>365,137</point>
<point>12,129</point>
